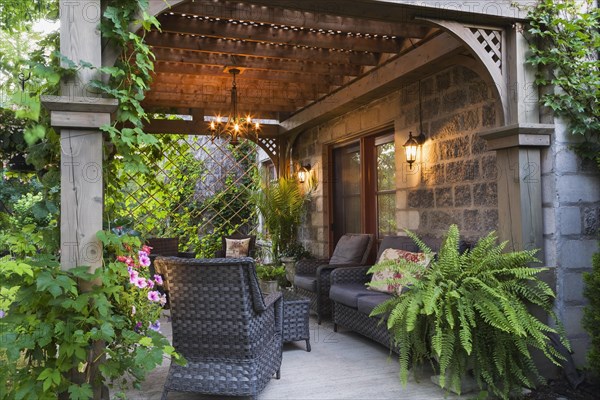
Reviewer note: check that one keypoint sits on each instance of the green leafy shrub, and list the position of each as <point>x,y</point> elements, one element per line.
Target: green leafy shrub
<point>471,311</point>
<point>270,272</point>
<point>591,316</point>
<point>52,328</point>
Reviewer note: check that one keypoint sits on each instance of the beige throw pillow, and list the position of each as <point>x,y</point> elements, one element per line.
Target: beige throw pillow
<point>378,280</point>
<point>235,248</point>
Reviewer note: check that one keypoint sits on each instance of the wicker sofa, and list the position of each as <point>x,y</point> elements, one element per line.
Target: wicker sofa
<point>353,302</point>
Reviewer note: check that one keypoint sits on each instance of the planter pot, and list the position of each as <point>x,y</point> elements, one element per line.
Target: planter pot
<point>290,268</point>
<point>268,286</point>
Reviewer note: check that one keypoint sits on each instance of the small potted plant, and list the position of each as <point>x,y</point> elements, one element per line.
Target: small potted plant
<point>270,276</point>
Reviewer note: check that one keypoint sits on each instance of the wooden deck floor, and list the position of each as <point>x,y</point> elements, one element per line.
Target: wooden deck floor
<point>341,365</point>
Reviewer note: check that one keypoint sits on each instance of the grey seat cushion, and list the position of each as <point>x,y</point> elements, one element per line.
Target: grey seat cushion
<point>348,293</point>
<point>366,304</point>
<point>350,249</point>
<point>307,282</point>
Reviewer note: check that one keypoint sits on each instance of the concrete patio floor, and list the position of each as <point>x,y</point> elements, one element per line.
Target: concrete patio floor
<point>341,365</point>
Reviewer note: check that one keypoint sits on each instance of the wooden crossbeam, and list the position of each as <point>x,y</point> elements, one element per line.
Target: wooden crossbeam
<point>193,57</point>
<point>159,126</point>
<point>268,34</point>
<point>196,74</point>
<point>257,49</point>
<point>220,105</point>
<point>327,19</point>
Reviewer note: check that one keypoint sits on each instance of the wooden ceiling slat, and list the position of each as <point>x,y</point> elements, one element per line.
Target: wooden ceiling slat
<point>196,74</point>
<point>193,57</point>
<point>257,49</point>
<point>268,34</point>
<point>214,104</point>
<point>244,86</point>
<point>309,20</point>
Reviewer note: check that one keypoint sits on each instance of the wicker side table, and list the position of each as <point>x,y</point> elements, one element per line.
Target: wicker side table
<point>296,309</point>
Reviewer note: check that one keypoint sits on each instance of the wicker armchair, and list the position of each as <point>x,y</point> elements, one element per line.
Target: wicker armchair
<point>312,276</point>
<point>229,334</point>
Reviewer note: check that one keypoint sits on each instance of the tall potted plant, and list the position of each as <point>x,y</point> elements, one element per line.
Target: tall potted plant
<point>282,205</point>
<point>471,313</point>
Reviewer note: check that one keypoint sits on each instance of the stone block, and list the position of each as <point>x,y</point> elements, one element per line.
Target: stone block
<point>421,198</point>
<point>549,195</point>
<point>443,197</point>
<point>489,221</point>
<point>424,220</point>
<point>443,80</point>
<point>462,196</point>
<point>454,99</point>
<point>571,319</point>
<point>547,160</point>
<point>578,188</point>
<point>572,284</point>
<point>591,220</point>
<point>401,199</point>
<point>549,220</point>
<point>569,220</point>
<point>478,145</point>
<point>444,127</point>
<point>580,347</point>
<point>408,220</point>
<point>489,167</point>
<point>462,171</point>
<point>471,220</point>
<point>454,148</point>
<point>566,160</point>
<point>478,92</point>
<point>431,108</point>
<point>370,118</point>
<point>488,116</point>
<point>433,174</point>
<point>550,252</point>
<point>469,120</point>
<point>441,220</point>
<point>485,194</point>
<point>577,254</point>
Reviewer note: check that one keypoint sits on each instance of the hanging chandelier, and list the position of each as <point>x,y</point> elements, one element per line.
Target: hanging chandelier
<point>233,126</point>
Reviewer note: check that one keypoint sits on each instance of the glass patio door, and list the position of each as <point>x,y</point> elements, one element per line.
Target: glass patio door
<point>346,205</point>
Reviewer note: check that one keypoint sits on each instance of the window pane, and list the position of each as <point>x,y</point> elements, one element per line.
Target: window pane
<point>386,214</point>
<point>386,167</point>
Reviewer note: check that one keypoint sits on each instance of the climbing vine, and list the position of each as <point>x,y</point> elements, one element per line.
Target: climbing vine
<point>565,48</point>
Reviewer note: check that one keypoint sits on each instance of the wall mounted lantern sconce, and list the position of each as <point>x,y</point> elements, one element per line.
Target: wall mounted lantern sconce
<point>303,173</point>
<point>411,146</point>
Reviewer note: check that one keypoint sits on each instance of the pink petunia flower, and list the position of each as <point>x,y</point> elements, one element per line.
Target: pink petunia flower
<point>133,276</point>
<point>142,283</point>
<point>147,249</point>
<point>122,259</point>
<point>129,261</point>
<point>158,279</point>
<point>144,259</point>
<point>150,283</point>
<point>154,295</point>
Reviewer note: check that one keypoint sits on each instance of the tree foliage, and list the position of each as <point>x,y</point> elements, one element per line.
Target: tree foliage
<point>471,311</point>
<point>565,46</point>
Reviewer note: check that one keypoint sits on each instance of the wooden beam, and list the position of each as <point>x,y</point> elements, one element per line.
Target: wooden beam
<point>194,74</point>
<point>257,49</point>
<point>379,82</point>
<point>197,71</point>
<point>223,106</point>
<point>192,57</point>
<point>175,110</point>
<point>165,126</point>
<point>299,18</point>
<point>269,34</point>
<point>246,89</point>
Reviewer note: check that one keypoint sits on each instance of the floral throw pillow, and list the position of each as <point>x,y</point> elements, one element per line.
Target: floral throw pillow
<point>235,248</point>
<point>378,280</point>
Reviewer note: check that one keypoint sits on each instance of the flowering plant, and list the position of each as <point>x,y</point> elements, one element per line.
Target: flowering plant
<point>72,332</point>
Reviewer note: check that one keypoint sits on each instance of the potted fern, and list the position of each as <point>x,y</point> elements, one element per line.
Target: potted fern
<point>270,276</point>
<point>471,313</point>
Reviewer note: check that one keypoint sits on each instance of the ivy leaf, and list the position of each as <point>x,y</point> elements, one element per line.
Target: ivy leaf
<point>45,281</point>
<point>145,341</point>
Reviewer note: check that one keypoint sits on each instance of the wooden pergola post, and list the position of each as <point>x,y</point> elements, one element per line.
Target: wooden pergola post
<point>78,114</point>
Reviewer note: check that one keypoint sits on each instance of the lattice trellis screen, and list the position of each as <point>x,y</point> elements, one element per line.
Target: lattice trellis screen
<point>198,190</point>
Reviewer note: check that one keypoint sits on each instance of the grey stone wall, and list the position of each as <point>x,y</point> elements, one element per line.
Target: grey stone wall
<point>454,178</point>
<point>571,205</point>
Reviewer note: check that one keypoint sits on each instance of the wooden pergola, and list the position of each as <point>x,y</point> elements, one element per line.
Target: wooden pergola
<point>303,63</point>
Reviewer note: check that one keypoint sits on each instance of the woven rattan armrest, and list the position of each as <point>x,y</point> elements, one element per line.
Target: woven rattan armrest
<point>309,266</point>
<point>356,274</point>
